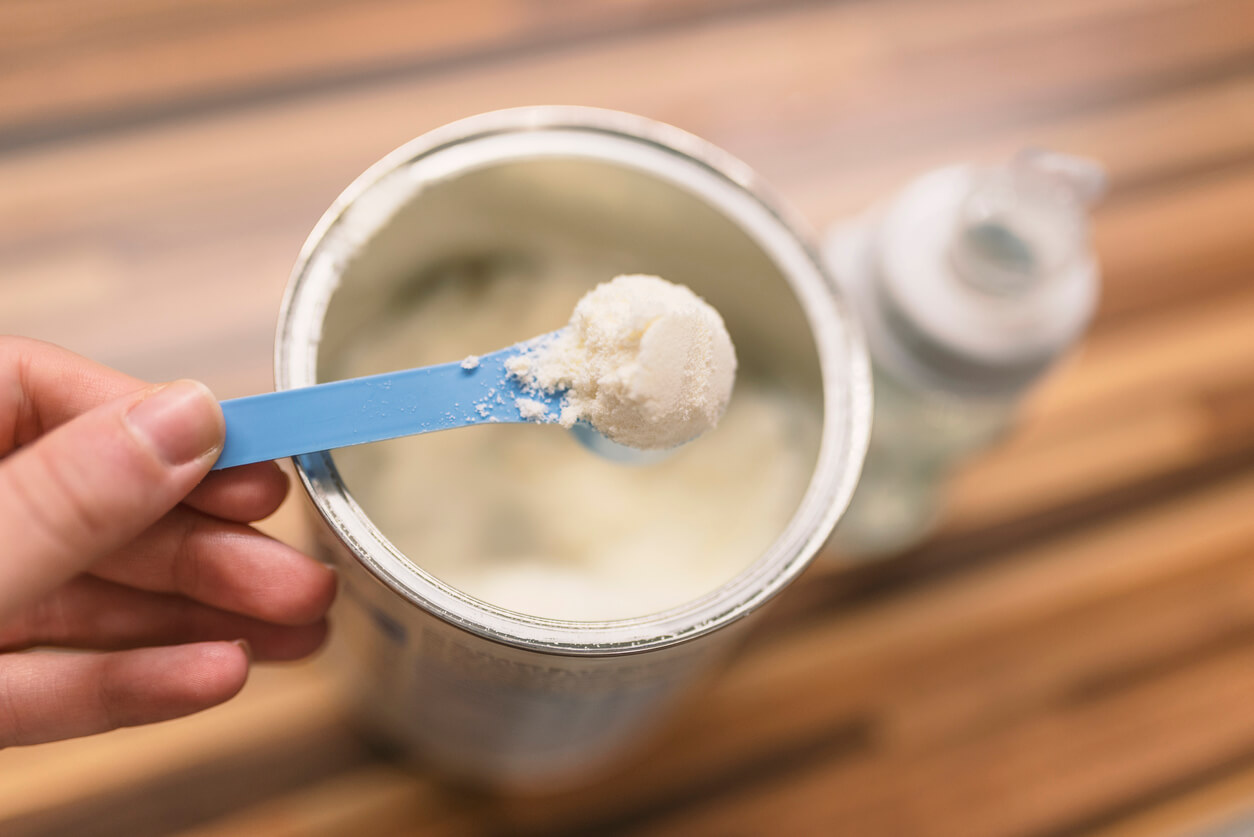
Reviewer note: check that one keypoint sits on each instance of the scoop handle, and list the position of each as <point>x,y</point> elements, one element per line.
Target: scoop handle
<point>377,407</point>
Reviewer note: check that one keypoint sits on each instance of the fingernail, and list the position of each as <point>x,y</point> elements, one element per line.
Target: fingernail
<point>180,420</point>
<point>247,649</point>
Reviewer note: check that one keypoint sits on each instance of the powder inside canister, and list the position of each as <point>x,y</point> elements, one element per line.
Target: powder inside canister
<point>531,520</point>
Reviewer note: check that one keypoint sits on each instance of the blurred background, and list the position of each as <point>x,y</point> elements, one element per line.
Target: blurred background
<point>1071,652</point>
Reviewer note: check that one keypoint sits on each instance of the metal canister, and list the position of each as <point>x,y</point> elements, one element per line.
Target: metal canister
<point>504,698</point>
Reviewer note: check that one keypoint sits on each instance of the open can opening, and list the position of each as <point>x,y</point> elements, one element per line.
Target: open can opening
<point>516,614</point>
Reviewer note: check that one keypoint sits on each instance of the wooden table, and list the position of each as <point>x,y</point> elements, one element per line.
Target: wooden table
<point>1072,653</point>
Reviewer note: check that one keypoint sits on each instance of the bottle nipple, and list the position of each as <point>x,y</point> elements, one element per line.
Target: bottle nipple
<point>1025,222</point>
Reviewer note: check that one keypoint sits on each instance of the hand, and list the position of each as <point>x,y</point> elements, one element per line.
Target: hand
<point>113,538</point>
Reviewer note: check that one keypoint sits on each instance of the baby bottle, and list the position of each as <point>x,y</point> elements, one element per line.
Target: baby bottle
<point>970,283</point>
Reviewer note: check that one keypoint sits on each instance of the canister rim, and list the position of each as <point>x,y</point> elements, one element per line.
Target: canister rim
<point>839,345</point>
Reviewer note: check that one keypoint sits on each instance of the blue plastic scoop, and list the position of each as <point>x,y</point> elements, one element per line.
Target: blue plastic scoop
<point>359,410</point>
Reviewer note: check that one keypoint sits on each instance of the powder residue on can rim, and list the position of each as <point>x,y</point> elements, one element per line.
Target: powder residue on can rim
<point>470,362</point>
<point>646,362</point>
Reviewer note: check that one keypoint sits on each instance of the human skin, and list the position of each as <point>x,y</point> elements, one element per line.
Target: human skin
<point>116,539</point>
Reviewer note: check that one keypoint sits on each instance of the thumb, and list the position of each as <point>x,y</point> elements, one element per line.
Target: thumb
<point>94,483</point>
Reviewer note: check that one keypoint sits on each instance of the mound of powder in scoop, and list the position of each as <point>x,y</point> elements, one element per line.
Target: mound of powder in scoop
<point>646,362</point>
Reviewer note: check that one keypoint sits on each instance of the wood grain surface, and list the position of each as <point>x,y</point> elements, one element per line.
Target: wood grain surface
<point>1072,652</point>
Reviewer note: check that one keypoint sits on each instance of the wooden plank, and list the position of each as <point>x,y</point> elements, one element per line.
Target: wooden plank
<point>858,44</point>
<point>887,99</point>
<point>215,279</point>
<point>1035,778</point>
<point>1200,243</point>
<point>732,39</point>
<point>948,663</point>
<point>927,674</point>
<point>892,709</point>
<point>204,791</point>
<point>1163,395</point>
<point>278,703</point>
<point>1197,350</point>
<point>877,654</point>
<point>375,799</point>
<point>1214,808</point>
<point>1139,141</point>
<point>180,46</point>
<point>84,64</point>
<point>240,193</point>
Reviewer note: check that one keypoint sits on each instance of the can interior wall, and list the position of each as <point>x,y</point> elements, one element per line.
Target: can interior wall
<point>502,697</point>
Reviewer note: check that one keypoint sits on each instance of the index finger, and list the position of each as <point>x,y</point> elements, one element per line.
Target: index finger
<point>43,386</point>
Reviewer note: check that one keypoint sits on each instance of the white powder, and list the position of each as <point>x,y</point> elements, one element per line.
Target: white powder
<point>531,408</point>
<point>648,363</point>
<point>518,365</point>
<point>526,517</point>
<point>470,362</point>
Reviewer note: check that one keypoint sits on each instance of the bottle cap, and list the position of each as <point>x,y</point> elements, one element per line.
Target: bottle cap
<point>985,274</point>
